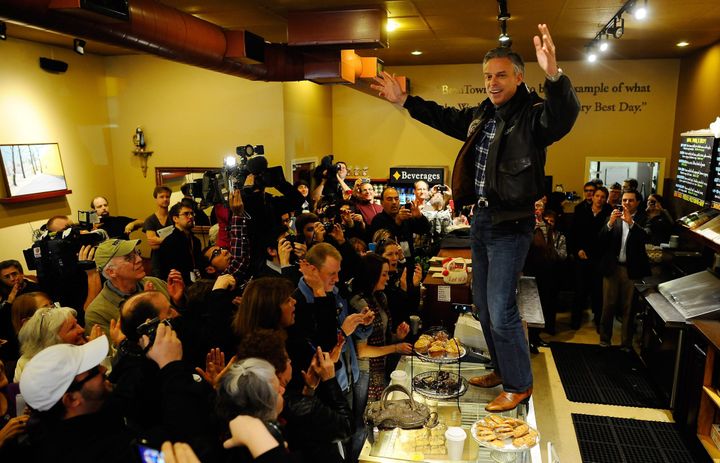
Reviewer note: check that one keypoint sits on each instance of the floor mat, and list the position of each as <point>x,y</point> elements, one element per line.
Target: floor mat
<point>603,439</point>
<point>605,375</point>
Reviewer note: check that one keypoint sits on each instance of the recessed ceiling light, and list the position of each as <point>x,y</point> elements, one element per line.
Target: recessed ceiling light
<point>416,52</point>
<point>682,44</point>
<point>391,25</point>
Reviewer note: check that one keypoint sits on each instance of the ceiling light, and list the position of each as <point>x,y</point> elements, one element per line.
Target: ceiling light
<point>604,45</point>
<point>416,52</point>
<point>592,57</point>
<point>682,44</point>
<point>504,37</point>
<point>79,46</point>
<point>641,12</point>
<point>3,31</point>
<point>391,25</point>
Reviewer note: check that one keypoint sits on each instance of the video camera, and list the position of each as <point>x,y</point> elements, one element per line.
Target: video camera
<point>55,258</point>
<point>218,185</point>
<point>328,170</point>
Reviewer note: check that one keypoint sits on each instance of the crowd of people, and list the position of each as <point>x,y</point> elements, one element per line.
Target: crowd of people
<point>267,344</point>
<point>273,342</point>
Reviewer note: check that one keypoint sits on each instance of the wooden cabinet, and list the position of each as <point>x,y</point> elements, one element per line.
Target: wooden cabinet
<point>709,412</point>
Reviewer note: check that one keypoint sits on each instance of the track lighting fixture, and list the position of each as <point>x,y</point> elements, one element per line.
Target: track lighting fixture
<point>615,28</point>
<point>3,30</point>
<point>504,38</point>
<point>503,13</point>
<point>79,46</point>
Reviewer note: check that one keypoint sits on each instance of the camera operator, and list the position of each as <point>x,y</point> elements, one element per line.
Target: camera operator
<point>401,220</point>
<point>63,258</point>
<point>264,209</point>
<point>284,253</point>
<point>234,261</point>
<point>331,180</point>
<point>115,226</point>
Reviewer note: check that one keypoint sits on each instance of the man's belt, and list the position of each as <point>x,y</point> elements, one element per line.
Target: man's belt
<point>483,202</point>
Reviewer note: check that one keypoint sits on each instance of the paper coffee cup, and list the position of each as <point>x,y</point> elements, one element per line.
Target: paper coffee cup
<point>398,377</point>
<point>455,441</point>
<point>414,323</point>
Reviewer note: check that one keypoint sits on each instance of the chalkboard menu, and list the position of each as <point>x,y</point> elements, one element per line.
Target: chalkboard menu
<point>695,168</point>
<point>715,195</point>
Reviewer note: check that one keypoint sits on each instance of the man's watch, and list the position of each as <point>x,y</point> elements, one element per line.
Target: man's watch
<point>556,77</point>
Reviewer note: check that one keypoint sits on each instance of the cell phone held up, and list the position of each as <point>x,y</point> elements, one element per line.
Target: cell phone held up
<point>619,208</point>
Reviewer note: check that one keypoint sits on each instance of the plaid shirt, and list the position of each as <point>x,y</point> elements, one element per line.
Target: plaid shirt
<point>481,150</point>
<point>239,249</point>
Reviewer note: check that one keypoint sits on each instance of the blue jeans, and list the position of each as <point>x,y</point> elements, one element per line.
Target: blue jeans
<point>358,401</point>
<point>498,256</point>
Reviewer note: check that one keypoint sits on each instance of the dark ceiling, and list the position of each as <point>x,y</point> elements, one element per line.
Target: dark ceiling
<point>460,31</point>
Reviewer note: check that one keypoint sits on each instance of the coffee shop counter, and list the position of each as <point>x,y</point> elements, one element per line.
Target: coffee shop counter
<point>398,445</point>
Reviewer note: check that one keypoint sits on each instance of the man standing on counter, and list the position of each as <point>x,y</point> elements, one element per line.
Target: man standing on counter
<point>500,169</point>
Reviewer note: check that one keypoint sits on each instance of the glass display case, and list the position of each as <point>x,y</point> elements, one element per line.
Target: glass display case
<point>399,445</point>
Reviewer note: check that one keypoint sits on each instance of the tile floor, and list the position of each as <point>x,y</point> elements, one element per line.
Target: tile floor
<point>552,408</point>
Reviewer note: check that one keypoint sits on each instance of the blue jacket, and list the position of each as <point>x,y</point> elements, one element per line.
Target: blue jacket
<point>342,311</point>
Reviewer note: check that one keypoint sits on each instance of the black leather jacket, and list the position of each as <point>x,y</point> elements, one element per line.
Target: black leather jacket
<point>515,169</point>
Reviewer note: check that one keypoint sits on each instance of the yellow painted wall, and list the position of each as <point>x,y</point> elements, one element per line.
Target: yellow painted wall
<point>371,131</point>
<point>308,121</point>
<point>70,109</point>
<point>698,99</point>
<point>191,117</point>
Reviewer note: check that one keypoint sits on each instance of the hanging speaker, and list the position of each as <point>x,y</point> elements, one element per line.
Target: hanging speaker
<point>53,65</point>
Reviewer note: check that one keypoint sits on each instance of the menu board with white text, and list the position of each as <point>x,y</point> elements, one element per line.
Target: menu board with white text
<point>695,166</point>
<point>715,194</point>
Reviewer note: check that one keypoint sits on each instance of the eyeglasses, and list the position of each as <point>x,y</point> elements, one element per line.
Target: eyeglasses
<point>130,257</point>
<point>217,251</point>
<point>77,385</point>
<point>187,214</point>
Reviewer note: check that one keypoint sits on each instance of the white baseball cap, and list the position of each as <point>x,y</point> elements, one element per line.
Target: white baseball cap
<point>48,375</point>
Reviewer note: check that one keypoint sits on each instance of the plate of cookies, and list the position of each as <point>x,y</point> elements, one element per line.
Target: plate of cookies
<point>437,346</point>
<point>504,434</point>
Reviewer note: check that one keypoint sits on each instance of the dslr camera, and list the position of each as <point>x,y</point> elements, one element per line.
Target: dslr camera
<point>149,329</point>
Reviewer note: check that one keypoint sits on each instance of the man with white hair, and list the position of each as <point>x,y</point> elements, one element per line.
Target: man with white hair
<point>120,262</point>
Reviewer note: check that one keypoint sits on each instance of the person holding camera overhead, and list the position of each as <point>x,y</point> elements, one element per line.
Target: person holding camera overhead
<point>401,220</point>
<point>624,260</point>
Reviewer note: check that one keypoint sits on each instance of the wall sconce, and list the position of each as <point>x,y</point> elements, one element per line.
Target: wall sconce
<point>79,46</point>
<point>3,30</point>
<point>140,151</point>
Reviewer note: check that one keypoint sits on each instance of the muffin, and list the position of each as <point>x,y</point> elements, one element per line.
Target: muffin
<point>427,337</point>
<point>436,351</point>
<point>422,346</point>
<point>452,349</point>
<point>441,336</point>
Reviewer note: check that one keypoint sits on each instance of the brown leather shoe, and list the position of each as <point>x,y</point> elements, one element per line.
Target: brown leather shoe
<point>508,400</point>
<point>491,380</point>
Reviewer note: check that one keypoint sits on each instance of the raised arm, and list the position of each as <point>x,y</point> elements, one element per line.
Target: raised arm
<point>389,88</point>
